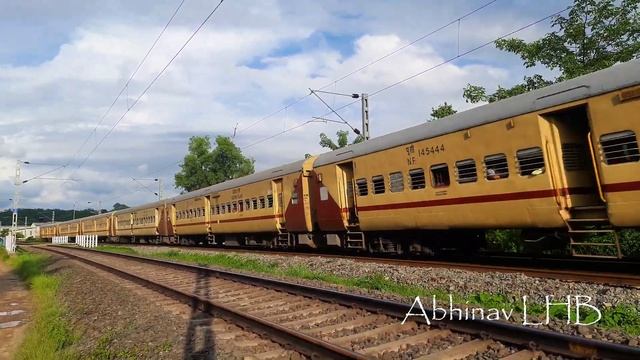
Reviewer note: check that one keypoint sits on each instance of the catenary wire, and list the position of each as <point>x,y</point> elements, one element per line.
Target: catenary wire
<point>377,92</point>
<point>373,62</point>
<point>126,85</point>
<point>153,81</point>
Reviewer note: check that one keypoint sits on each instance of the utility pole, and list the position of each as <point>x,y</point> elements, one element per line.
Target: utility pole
<point>16,200</point>
<point>53,216</point>
<point>365,115</point>
<point>25,221</point>
<point>364,99</point>
<point>160,186</point>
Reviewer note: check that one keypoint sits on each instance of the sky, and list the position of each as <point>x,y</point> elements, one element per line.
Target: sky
<point>247,71</point>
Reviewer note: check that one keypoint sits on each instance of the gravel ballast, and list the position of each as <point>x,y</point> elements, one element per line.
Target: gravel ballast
<point>459,282</point>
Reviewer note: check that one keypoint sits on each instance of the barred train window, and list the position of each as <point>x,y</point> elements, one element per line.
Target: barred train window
<point>466,171</point>
<point>396,182</point>
<point>620,147</point>
<point>496,167</point>
<point>416,179</point>
<point>247,204</point>
<point>530,160</point>
<point>377,183</point>
<point>270,201</point>
<point>261,200</point>
<point>254,203</point>
<point>294,197</point>
<point>361,185</point>
<point>440,175</point>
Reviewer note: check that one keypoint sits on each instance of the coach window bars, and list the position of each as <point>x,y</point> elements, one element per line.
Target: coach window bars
<point>262,202</point>
<point>396,182</point>
<point>270,201</point>
<point>530,161</point>
<point>466,171</point>
<point>496,167</point>
<point>361,187</point>
<point>620,147</point>
<point>377,184</point>
<point>241,205</point>
<point>417,179</point>
<point>440,175</point>
<point>254,203</point>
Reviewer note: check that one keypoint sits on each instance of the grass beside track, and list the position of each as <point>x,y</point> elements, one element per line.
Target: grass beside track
<point>48,335</point>
<point>624,318</point>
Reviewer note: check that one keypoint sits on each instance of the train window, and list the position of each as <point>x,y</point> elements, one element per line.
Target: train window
<point>440,175</point>
<point>228,208</point>
<point>223,209</point>
<point>496,167</point>
<point>247,204</point>
<point>377,183</point>
<point>620,147</point>
<point>294,197</point>
<point>234,206</point>
<point>262,203</point>
<point>240,205</point>
<point>254,203</point>
<point>361,184</point>
<point>466,171</point>
<point>417,180</point>
<point>530,161</point>
<point>396,182</point>
<point>270,201</point>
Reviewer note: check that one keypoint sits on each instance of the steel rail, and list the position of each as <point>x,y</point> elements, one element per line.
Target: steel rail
<point>310,346</point>
<point>536,339</point>
<point>547,268</point>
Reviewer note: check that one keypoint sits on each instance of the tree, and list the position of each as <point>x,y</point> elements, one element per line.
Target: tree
<point>4,232</point>
<point>595,35</point>
<point>203,167</point>
<point>343,140</point>
<point>442,110</point>
<point>118,206</point>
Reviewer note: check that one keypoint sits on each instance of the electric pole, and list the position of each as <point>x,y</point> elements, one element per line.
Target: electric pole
<point>365,115</point>
<point>16,200</point>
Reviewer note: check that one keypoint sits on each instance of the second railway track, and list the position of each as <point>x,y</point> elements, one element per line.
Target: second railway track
<point>323,323</point>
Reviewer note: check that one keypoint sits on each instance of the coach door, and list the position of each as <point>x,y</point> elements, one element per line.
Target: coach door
<point>345,187</point>
<point>278,201</point>
<point>575,178</point>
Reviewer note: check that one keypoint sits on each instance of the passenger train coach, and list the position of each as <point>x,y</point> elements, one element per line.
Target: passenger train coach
<point>557,162</point>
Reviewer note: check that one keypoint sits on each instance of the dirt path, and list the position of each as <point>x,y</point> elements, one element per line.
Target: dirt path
<point>15,310</point>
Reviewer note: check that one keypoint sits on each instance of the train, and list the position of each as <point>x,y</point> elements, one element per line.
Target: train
<point>561,163</point>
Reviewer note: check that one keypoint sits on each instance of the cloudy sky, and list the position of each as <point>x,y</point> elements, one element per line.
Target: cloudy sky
<point>62,64</point>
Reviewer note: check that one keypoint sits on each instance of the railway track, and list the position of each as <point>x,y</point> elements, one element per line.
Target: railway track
<point>617,272</point>
<point>323,323</point>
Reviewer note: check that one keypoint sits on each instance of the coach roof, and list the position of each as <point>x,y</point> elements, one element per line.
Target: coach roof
<point>616,77</point>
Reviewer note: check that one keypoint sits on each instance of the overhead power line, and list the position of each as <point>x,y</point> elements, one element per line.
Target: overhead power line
<point>397,50</point>
<point>379,91</point>
<point>126,85</point>
<point>153,81</point>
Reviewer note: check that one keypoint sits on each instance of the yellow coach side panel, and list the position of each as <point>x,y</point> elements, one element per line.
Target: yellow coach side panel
<point>247,209</point>
<point>615,128</point>
<point>144,222</point>
<point>122,223</point>
<point>513,200</point>
<point>191,216</point>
